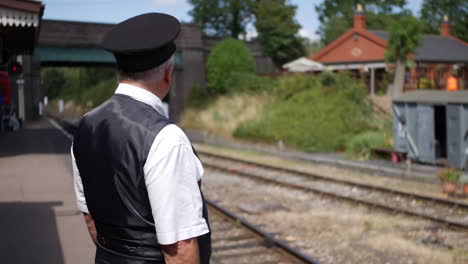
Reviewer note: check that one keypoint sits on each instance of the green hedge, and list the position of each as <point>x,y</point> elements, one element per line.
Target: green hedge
<point>241,82</point>
<point>360,146</point>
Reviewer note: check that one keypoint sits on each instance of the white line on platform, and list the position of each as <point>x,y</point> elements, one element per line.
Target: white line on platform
<point>60,128</point>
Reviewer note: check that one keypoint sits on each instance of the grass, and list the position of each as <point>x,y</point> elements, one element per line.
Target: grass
<point>315,113</point>
<point>222,116</point>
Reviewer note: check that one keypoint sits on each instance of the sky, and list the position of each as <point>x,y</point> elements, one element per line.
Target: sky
<point>115,11</point>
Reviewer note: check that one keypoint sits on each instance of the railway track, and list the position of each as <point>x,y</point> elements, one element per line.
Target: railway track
<point>232,243</point>
<point>446,212</point>
<point>235,240</point>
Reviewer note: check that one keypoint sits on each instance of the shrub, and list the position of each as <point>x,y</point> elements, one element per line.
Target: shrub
<point>248,82</point>
<point>53,81</point>
<point>100,92</point>
<point>197,98</point>
<point>360,146</point>
<point>308,115</point>
<point>449,175</point>
<point>226,57</point>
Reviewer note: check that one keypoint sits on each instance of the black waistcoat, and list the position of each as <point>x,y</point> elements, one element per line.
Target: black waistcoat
<point>110,146</point>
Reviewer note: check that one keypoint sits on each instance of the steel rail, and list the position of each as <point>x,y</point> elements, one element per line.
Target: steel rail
<point>342,197</point>
<point>454,204</point>
<point>267,237</point>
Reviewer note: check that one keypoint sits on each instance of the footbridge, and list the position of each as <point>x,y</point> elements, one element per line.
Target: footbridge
<point>69,43</point>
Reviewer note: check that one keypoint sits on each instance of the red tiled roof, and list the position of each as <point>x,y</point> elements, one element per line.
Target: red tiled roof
<point>377,40</point>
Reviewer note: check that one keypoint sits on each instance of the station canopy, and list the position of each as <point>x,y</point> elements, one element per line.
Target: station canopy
<point>303,65</point>
<point>19,25</point>
<point>356,66</point>
<point>18,18</point>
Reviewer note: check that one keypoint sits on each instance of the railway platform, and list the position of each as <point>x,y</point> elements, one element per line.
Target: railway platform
<point>39,220</point>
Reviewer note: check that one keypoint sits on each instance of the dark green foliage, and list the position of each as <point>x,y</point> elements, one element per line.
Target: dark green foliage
<point>87,87</point>
<point>311,47</point>
<point>53,81</point>
<point>433,11</point>
<point>314,113</point>
<point>98,93</point>
<point>274,21</point>
<point>228,56</point>
<point>404,36</point>
<point>336,16</point>
<point>361,145</point>
<point>198,98</point>
<point>449,175</point>
<point>277,30</point>
<point>336,26</point>
<point>222,18</point>
<point>333,28</point>
<point>248,82</point>
<point>347,8</point>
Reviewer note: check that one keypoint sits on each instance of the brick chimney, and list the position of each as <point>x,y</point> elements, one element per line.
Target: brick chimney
<point>359,18</point>
<point>445,27</point>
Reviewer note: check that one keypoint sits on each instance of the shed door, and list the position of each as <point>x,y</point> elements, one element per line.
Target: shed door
<point>454,137</point>
<point>425,134</point>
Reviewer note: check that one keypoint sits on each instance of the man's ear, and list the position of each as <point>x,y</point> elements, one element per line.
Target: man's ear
<point>168,73</point>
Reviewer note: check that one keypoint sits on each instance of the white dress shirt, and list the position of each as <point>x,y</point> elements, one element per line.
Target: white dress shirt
<point>171,172</point>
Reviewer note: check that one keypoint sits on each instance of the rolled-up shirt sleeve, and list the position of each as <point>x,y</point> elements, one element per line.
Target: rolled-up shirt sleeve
<point>78,185</point>
<point>172,172</point>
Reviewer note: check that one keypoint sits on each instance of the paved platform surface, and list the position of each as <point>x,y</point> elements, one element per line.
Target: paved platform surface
<point>39,222</point>
<point>413,171</point>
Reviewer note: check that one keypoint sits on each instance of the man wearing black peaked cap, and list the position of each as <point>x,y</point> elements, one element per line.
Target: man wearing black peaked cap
<point>137,177</point>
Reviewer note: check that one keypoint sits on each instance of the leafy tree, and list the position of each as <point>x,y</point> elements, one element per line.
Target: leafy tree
<point>336,16</point>
<point>277,30</point>
<point>90,76</point>
<point>311,46</point>
<point>53,81</point>
<point>226,57</point>
<point>222,18</point>
<point>404,37</point>
<point>433,11</point>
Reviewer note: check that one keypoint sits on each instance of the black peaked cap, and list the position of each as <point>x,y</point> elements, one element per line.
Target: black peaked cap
<point>143,42</point>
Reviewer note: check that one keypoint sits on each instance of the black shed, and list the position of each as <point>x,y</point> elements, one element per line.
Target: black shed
<point>432,126</point>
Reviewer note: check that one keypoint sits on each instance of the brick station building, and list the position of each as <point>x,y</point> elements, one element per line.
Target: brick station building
<point>362,52</point>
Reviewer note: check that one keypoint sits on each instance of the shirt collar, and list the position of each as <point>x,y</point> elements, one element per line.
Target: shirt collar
<point>141,95</point>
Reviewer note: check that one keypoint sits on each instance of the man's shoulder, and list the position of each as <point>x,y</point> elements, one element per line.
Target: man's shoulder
<point>171,135</point>
<point>95,112</point>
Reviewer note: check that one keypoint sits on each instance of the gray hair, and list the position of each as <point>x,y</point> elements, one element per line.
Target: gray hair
<point>152,75</point>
